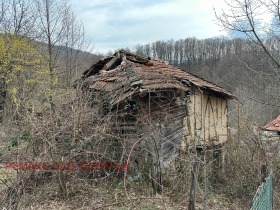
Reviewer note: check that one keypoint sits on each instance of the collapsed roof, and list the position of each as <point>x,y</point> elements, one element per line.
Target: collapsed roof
<point>125,74</point>
<point>273,125</point>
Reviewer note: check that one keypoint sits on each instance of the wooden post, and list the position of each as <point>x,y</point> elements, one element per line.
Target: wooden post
<point>195,165</point>
<point>156,183</point>
<point>193,184</point>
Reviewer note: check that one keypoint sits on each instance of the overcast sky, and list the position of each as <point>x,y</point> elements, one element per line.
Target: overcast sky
<point>115,24</point>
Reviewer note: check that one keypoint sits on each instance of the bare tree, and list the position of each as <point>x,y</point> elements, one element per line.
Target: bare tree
<point>18,17</point>
<point>257,20</point>
<point>61,31</point>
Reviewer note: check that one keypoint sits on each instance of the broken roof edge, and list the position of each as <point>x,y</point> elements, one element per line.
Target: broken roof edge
<point>140,92</point>
<point>124,55</point>
<point>274,125</point>
<point>120,54</point>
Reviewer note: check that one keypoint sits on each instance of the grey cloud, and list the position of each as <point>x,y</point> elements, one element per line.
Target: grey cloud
<point>125,24</point>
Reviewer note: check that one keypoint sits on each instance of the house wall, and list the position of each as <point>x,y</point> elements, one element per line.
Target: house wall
<point>163,121</point>
<point>157,118</point>
<point>206,120</point>
<point>166,121</point>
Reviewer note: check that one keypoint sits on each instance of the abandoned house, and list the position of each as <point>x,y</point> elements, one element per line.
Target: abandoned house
<point>273,128</point>
<point>270,136</point>
<point>155,105</point>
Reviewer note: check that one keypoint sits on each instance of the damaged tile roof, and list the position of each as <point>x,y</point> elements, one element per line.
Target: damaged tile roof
<point>125,74</point>
<point>273,125</point>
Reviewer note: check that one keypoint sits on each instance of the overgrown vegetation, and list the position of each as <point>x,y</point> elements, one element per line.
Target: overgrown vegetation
<point>43,119</point>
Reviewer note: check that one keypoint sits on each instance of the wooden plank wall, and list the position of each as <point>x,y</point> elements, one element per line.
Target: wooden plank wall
<point>159,118</point>
<point>165,119</point>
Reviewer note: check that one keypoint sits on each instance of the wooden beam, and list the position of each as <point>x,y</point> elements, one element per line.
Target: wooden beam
<point>111,63</point>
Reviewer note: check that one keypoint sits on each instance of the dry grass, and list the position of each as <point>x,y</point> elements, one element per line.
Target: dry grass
<point>85,195</point>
